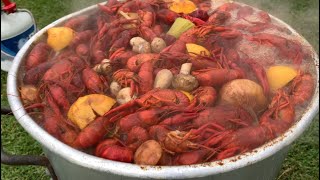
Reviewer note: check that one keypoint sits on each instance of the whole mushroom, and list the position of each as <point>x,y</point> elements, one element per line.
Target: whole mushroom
<point>157,45</point>
<point>184,80</point>
<point>139,45</point>
<point>163,79</point>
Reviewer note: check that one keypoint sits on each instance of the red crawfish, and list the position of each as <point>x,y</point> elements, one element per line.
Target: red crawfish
<point>59,95</point>
<point>203,62</point>
<point>289,49</point>
<point>223,116</point>
<point>151,117</point>
<point>147,33</point>
<point>193,157</point>
<point>153,98</point>
<point>110,7</point>
<point>93,133</point>
<point>101,41</point>
<point>260,73</point>
<point>60,71</point>
<point>119,58</point>
<point>146,77</point>
<point>200,14</point>
<point>127,78</point>
<point>81,37</point>
<point>56,125</point>
<point>94,82</point>
<point>275,121</point>
<point>113,150</point>
<point>76,23</point>
<point>205,96</point>
<point>167,16</point>
<point>158,132</point>
<point>34,75</point>
<point>157,29</point>
<point>135,62</point>
<point>222,76</point>
<point>38,55</point>
<point>195,20</point>
<point>141,82</point>
<point>182,141</point>
<point>63,73</point>
<point>218,18</point>
<point>302,88</point>
<point>123,40</point>
<point>97,49</point>
<point>135,137</point>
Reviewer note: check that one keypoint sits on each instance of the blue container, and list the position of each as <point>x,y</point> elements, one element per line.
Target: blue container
<point>16,29</point>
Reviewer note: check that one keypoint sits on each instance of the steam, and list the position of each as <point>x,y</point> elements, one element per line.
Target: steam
<point>76,5</point>
<point>303,16</point>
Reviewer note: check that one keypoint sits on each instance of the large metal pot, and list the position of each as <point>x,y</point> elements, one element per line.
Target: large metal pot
<point>263,163</point>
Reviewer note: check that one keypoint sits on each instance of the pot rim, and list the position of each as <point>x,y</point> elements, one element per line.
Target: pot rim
<point>157,172</point>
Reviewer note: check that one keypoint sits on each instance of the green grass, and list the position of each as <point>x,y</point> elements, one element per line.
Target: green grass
<point>302,161</point>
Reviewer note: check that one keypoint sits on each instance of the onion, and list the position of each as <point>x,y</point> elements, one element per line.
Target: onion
<point>245,93</point>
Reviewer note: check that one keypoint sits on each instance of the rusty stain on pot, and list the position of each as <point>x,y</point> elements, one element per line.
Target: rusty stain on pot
<point>145,168</point>
<point>220,163</point>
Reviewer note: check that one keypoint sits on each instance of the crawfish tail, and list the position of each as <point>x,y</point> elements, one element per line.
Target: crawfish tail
<point>121,111</point>
<point>236,142</point>
<point>260,73</point>
<point>91,134</point>
<point>34,74</point>
<point>38,55</point>
<point>302,88</point>
<point>81,37</point>
<point>221,76</point>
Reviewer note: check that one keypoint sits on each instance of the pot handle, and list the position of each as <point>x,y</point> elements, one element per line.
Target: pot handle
<point>10,159</point>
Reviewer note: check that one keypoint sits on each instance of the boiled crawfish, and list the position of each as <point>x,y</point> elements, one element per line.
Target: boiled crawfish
<point>153,98</point>
<point>275,121</point>
<point>114,150</point>
<point>289,49</point>
<point>222,76</point>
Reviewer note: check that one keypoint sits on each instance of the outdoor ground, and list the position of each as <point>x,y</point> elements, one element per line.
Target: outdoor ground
<point>302,161</point>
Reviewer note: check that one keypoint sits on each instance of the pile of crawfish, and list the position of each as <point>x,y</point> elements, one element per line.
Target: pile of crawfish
<point>163,126</point>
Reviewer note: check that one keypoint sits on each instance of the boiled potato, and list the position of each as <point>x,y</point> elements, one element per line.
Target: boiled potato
<point>243,92</point>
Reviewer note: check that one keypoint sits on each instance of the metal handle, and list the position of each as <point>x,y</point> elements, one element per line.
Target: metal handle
<point>33,20</point>
<point>11,159</point>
